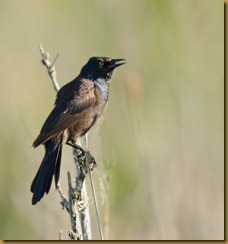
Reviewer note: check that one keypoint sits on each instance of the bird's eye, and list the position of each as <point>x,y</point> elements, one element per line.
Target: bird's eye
<point>101,64</point>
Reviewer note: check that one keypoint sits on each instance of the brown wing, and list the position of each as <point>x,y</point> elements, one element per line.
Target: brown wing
<point>66,110</point>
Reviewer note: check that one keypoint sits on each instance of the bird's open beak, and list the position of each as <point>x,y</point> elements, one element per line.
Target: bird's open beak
<point>116,63</point>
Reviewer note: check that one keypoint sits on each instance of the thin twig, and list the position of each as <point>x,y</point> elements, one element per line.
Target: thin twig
<point>104,188</point>
<point>50,66</point>
<point>64,202</point>
<point>94,193</point>
<point>96,206</point>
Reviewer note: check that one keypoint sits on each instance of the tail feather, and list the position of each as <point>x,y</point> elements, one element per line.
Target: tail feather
<point>57,166</point>
<point>50,166</point>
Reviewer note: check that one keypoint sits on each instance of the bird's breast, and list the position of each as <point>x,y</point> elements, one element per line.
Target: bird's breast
<point>86,119</point>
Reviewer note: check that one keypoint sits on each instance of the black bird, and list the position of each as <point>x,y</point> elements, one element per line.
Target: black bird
<point>77,107</point>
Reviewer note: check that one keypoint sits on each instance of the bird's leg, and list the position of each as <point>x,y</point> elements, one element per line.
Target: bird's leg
<point>80,158</point>
<point>77,147</point>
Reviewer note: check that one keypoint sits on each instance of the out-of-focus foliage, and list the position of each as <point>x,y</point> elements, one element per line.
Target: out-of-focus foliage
<point>160,143</point>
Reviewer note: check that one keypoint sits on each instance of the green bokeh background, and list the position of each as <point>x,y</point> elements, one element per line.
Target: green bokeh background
<point>160,143</point>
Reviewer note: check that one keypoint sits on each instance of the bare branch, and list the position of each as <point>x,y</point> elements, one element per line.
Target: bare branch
<point>84,214</point>
<point>76,230</point>
<point>64,202</point>
<point>50,66</point>
<point>76,204</point>
<point>80,225</point>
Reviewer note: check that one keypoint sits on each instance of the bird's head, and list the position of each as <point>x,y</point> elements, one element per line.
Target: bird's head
<point>100,67</point>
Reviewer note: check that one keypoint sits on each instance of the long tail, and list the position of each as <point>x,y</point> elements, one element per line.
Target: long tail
<point>50,166</point>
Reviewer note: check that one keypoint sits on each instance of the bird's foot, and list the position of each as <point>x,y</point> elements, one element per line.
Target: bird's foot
<point>85,157</point>
<point>90,161</point>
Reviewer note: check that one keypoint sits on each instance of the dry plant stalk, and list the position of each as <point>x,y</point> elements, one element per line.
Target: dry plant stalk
<point>77,203</point>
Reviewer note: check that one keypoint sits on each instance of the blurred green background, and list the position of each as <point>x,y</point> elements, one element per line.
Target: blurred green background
<point>160,143</point>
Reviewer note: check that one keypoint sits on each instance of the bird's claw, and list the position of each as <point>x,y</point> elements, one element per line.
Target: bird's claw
<point>83,155</point>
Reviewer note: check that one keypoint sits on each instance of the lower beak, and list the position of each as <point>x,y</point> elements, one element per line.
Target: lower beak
<point>116,63</point>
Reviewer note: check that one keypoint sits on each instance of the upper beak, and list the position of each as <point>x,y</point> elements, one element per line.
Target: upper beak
<point>115,63</point>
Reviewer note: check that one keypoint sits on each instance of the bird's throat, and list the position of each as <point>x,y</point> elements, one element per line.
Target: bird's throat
<point>103,86</point>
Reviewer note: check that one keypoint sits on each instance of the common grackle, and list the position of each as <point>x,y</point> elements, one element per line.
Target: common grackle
<point>78,105</point>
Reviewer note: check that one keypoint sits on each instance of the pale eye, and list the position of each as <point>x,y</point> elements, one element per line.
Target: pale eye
<point>101,64</point>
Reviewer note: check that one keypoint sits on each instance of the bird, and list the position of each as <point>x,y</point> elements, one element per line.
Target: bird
<point>77,107</point>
